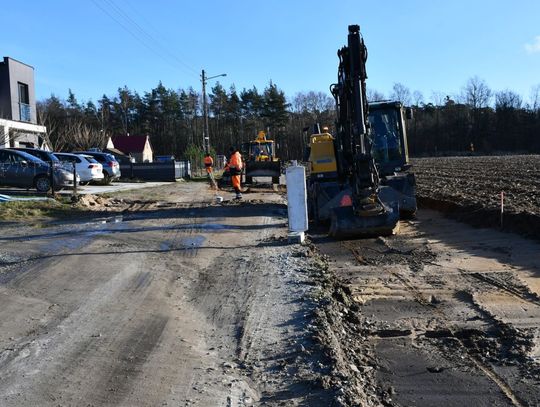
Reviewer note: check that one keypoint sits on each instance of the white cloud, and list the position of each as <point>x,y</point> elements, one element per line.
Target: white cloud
<point>534,47</point>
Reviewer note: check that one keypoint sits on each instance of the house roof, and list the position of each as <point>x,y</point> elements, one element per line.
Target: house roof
<point>130,144</point>
<point>114,151</point>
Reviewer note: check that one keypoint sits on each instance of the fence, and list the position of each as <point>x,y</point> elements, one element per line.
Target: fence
<point>157,171</point>
<point>198,169</point>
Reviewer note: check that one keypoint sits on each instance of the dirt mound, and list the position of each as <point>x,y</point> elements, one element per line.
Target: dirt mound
<point>339,332</point>
<point>94,201</point>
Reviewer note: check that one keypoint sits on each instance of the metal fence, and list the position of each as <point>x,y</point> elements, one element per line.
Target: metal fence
<point>157,171</point>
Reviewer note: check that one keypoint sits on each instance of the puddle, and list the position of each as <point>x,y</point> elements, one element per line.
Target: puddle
<point>165,246</point>
<point>191,242</point>
<point>214,226</point>
<point>114,219</point>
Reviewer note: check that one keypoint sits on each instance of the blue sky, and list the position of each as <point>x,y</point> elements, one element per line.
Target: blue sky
<point>426,45</point>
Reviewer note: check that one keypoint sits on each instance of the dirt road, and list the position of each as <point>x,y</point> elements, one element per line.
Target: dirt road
<point>440,315</point>
<point>163,297</point>
<point>182,303</point>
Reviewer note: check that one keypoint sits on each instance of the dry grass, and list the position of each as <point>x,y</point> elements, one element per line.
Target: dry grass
<point>35,210</point>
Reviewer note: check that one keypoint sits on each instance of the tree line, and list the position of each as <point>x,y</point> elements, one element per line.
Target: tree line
<point>477,119</point>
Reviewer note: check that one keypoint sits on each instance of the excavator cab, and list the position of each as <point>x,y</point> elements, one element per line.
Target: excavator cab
<point>388,132</point>
<point>391,154</point>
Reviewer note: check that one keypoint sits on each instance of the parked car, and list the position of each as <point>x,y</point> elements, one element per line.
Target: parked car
<point>22,170</point>
<point>86,166</point>
<point>123,159</point>
<point>111,168</point>
<point>43,155</point>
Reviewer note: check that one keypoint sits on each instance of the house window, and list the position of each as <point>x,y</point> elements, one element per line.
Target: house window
<point>23,93</point>
<point>24,102</point>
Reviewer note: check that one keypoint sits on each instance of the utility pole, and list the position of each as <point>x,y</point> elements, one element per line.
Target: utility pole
<point>206,137</point>
<point>206,132</point>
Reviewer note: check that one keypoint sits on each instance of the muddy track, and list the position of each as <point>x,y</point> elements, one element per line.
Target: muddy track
<point>440,301</point>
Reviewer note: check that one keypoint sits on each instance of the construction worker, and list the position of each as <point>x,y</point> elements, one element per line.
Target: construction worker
<point>209,164</point>
<point>235,168</point>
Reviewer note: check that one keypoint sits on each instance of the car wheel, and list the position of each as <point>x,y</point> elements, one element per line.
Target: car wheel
<point>107,179</point>
<point>43,184</point>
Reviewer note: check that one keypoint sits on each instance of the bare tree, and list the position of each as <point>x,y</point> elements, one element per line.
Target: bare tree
<point>374,95</point>
<point>508,99</point>
<point>418,98</point>
<point>83,136</point>
<point>438,98</point>
<point>312,102</point>
<point>402,93</point>
<point>476,93</point>
<point>535,97</point>
<point>4,136</point>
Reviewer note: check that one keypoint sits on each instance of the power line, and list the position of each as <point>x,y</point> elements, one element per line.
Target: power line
<point>141,40</point>
<point>145,33</point>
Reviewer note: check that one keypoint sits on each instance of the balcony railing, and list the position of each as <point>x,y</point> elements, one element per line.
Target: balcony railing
<point>24,112</point>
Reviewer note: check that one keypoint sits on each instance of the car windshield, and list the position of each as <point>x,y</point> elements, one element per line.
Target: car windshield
<point>24,156</point>
<point>385,135</point>
<point>99,158</point>
<point>90,159</point>
<point>64,157</point>
<point>44,155</point>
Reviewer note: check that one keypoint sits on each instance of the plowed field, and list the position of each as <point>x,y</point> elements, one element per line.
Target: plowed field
<point>470,188</point>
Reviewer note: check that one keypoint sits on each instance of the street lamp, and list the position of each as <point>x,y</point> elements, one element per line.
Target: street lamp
<point>206,133</point>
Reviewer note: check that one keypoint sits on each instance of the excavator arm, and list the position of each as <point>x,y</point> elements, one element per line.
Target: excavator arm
<point>353,144</point>
<point>356,167</point>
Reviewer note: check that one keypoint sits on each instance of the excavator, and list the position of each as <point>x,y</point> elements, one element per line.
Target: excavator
<point>260,159</point>
<point>345,185</point>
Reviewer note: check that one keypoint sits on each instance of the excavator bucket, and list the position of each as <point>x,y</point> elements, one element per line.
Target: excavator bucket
<point>346,223</point>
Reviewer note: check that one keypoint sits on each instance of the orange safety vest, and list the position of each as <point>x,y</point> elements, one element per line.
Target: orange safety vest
<point>208,162</point>
<point>236,161</point>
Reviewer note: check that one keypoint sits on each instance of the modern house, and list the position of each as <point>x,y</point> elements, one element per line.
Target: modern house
<point>138,147</point>
<point>18,116</point>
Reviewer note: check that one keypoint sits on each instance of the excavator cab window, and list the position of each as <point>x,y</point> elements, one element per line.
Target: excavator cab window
<point>385,133</point>
<point>261,149</point>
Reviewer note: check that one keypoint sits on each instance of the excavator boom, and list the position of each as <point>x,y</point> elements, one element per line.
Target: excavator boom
<point>363,213</point>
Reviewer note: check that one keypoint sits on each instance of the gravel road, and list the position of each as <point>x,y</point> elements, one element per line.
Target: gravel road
<point>169,301</point>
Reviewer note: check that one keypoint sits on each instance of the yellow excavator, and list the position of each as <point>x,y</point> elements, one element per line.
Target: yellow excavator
<point>260,159</point>
<point>346,184</point>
